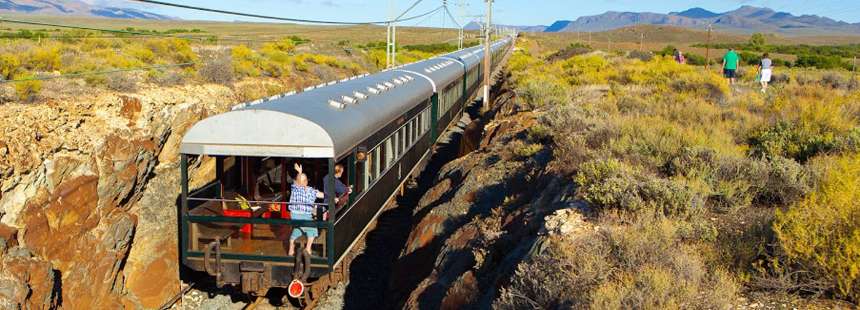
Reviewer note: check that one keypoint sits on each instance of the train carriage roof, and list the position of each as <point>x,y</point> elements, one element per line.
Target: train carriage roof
<point>441,70</point>
<point>468,56</point>
<point>307,124</point>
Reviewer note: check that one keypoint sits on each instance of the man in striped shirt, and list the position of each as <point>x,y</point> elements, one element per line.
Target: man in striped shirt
<point>303,207</point>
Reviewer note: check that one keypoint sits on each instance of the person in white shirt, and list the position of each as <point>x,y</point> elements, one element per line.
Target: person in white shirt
<point>766,71</point>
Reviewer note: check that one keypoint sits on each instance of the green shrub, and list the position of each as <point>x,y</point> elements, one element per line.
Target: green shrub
<point>822,232</point>
<point>789,140</point>
<point>643,56</point>
<point>642,265</point>
<point>610,184</point>
<point>525,151</point>
<point>27,90</point>
<point>245,61</point>
<point>45,58</point>
<point>540,91</point>
<point>10,64</point>
<point>735,182</point>
<point>819,61</point>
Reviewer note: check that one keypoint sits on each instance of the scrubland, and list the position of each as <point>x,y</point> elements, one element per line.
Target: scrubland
<point>72,63</point>
<point>700,193</point>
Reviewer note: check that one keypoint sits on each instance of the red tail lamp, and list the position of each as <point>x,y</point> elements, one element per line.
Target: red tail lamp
<point>296,289</point>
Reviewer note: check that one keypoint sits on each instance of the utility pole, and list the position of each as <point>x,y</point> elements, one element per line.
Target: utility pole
<point>391,45</point>
<point>487,38</point>
<point>641,41</point>
<point>708,49</point>
<point>609,43</point>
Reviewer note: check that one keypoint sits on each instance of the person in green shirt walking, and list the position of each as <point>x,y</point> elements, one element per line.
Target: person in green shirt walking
<point>730,65</point>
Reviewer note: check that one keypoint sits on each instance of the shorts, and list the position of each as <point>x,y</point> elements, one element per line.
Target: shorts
<point>311,232</point>
<point>766,74</point>
<point>729,73</point>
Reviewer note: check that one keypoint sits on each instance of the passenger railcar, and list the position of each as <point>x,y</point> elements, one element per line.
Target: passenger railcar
<point>378,127</point>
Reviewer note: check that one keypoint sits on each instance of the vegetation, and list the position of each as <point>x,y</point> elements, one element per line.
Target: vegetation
<point>821,234</point>
<point>643,265</point>
<point>815,56</point>
<point>677,166</point>
<point>51,57</point>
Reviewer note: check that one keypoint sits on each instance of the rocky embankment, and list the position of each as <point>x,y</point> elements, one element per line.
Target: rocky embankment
<point>487,211</point>
<point>88,191</point>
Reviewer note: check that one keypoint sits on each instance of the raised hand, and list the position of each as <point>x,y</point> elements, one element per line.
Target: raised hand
<point>298,168</point>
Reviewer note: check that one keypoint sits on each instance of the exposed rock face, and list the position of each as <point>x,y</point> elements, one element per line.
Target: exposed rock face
<point>89,188</point>
<point>25,282</point>
<point>481,218</point>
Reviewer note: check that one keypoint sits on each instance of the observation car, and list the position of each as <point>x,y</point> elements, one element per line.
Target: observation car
<point>379,127</point>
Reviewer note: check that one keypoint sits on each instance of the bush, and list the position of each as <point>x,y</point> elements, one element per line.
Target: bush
<point>122,81</point>
<point>822,232</point>
<point>820,62</point>
<point>245,61</point>
<point>610,184</point>
<point>780,78</point>
<point>542,91</point>
<point>643,265</point>
<point>643,56</point>
<point>218,69</point>
<point>168,77</point>
<point>525,151</point>
<point>835,81</point>
<point>9,66</point>
<point>27,90</point>
<point>45,58</point>
<point>786,139</point>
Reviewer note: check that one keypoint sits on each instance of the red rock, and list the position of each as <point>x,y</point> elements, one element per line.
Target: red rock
<point>9,234</point>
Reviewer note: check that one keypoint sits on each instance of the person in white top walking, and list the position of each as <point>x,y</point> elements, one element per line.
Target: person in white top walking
<point>766,71</point>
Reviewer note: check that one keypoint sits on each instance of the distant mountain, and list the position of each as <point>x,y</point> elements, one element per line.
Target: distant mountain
<point>74,8</point>
<point>696,13</point>
<point>558,26</point>
<point>746,19</point>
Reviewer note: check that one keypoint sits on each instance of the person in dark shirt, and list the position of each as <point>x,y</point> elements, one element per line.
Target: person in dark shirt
<point>340,189</point>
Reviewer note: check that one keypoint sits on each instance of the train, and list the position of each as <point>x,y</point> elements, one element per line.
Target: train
<point>375,129</point>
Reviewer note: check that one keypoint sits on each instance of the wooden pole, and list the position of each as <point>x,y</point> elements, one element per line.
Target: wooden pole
<point>708,50</point>
<point>641,41</point>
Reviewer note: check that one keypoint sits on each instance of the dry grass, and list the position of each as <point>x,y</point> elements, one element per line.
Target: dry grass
<point>654,139</point>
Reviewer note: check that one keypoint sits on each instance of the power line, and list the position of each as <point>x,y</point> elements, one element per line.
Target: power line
<point>298,20</point>
<point>72,75</point>
<point>452,17</point>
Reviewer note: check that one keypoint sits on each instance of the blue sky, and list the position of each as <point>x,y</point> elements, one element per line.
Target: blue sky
<point>515,12</point>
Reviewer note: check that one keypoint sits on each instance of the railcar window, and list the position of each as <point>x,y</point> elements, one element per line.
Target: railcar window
<point>414,130</point>
<point>366,176</point>
<point>411,132</point>
<point>402,138</point>
<point>389,152</point>
<point>374,166</point>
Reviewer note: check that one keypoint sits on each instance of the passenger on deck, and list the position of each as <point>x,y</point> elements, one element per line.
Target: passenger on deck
<point>302,207</point>
<point>340,190</point>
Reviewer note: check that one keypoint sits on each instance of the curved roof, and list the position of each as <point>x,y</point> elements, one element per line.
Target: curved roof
<point>467,56</point>
<point>327,121</point>
<point>308,124</point>
<point>441,70</point>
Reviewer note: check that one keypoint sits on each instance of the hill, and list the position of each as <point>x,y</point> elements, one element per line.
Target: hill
<point>746,19</point>
<point>75,8</point>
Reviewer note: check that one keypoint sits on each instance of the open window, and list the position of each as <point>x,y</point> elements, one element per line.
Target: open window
<point>245,210</point>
